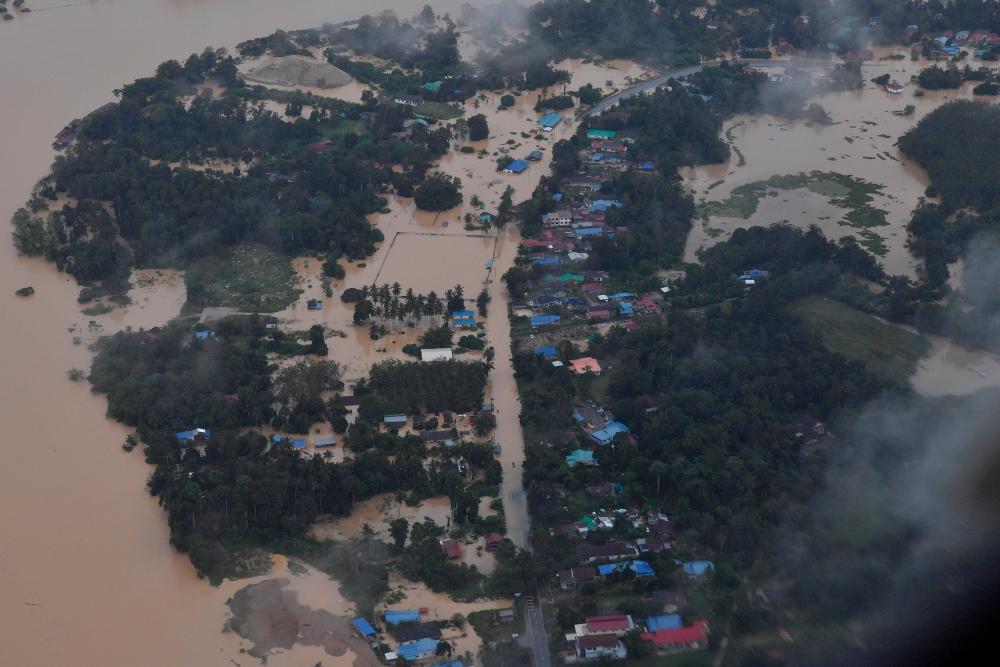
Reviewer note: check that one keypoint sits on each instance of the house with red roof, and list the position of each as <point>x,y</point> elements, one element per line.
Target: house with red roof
<point>493,540</point>
<point>645,307</point>
<point>616,625</point>
<point>678,640</point>
<point>598,314</point>
<point>452,549</point>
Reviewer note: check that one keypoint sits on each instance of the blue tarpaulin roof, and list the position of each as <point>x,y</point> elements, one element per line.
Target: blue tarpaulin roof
<point>665,622</point>
<point>516,166</point>
<point>580,456</point>
<point>418,649</point>
<point>547,351</point>
<point>640,567</point>
<point>697,567</point>
<point>188,436</point>
<point>397,616</point>
<point>364,627</point>
<point>550,120</point>
<point>542,320</point>
<point>605,435</point>
<point>604,204</point>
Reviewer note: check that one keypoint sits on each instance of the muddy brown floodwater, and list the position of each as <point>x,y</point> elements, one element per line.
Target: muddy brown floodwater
<point>860,143</point>
<point>87,573</point>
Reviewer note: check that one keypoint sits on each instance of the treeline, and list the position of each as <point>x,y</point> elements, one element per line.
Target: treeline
<point>389,302</point>
<point>244,493</point>
<point>170,379</point>
<point>433,387</point>
<point>283,188</point>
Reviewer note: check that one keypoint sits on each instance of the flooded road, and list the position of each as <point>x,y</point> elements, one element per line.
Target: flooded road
<point>87,573</point>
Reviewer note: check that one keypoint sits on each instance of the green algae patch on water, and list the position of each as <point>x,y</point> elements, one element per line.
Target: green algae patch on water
<point>854,195</point>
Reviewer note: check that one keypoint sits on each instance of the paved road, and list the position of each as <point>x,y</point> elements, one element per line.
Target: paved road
<point>639,88</point>
<point>534,630</point>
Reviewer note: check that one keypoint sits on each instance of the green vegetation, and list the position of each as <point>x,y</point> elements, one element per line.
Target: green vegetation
<point>444,385</point>
<point>438,111</point>
<point>489,630</point>
<point>887,351</point>
<point>439,192</point>
<point>249,278</point>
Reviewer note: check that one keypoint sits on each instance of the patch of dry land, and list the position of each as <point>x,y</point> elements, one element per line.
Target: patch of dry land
<point>297,71</point>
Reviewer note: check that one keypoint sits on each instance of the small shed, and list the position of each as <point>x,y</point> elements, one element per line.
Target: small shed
<point>394,420</point>
<point>363,627</point>
<point>397,616</point>
<point>452,549</point>
<point>435,354</point>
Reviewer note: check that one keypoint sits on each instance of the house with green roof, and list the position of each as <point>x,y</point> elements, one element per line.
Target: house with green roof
<point>601,134</point>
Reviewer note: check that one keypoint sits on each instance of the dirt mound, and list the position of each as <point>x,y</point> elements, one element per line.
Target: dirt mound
<point>297,71</point>
<point>271,616</point>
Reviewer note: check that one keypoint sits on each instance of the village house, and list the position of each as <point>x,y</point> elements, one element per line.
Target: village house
<point>561,218</point>
<point>599,648</point>
<point>591,553</point>
<point>679,640</point>
<point>435,354</point>
<point>617,625</point>
<point>408,100</point>
<point>585,365</point>
<point>452,549</point>
<point>411,632</point>
<point>605,435</point>
<point>493,540</point>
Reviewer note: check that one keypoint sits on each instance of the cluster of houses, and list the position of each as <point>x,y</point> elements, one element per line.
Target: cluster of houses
<point>600,637</point>
<point>416,639</point>
<point>950,42</point>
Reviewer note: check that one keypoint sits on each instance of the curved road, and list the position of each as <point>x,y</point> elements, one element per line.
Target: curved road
<point>661,80</point>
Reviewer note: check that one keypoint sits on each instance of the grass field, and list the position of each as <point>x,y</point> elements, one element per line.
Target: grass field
<point>438,111</point>
<point>251,278</point>
<point>482,623</point>
<point>889,352</point>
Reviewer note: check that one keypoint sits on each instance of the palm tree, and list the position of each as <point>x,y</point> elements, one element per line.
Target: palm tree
<point>367,531</point>
<point>658,468</point>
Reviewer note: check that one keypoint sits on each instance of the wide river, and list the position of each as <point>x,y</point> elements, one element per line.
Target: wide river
<point>86,574</point>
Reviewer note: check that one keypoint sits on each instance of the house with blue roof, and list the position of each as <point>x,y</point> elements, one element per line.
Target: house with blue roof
<point>185,437</point>
<point>544,321</point>
<point>515,167</point>
<point>299,443</point>
<point>535,155</point>
<point>204,335</point>
<point>754,274</point>
<point>547,352</point>
<point>545,261</point>
<point>605,435</point>
<point>587,232</point>
<point>418,650</point>
<point>450,663</point>
<point>397,616</point>
<point>625,308</point>
<point>363,627</point>
<point>640,567</point>
<point>464,322</point>
<point>664,622</point>
<point>697,568</point>
<point>604,205</point>
<point>549,121</point>
<point>580,457</point>
<point>463,313</point>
